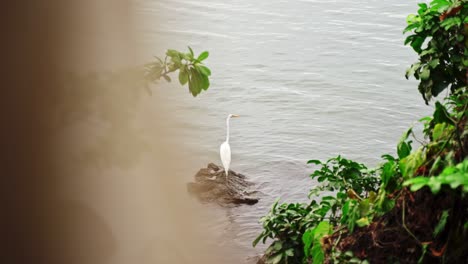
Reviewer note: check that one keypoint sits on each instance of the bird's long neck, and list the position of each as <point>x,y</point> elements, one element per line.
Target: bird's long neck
<point>227,129</point>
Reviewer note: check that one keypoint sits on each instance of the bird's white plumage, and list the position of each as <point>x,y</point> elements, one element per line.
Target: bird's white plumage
<point>225,149</point>
<point>225,153</point>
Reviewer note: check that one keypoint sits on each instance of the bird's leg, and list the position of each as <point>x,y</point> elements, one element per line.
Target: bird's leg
<point>227,177</point>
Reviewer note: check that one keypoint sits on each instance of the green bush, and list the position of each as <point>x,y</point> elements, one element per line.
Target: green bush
<point>299,231</point>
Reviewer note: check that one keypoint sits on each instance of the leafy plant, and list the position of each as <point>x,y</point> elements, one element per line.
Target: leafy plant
<point>345,175</point>
<point>361,195</point>
<point>453,176</point>
<point>286,223</point>
<point>439,33</point>
<point>337,256</point>
<point>297,228</point>
<point>312,242</point>
<point>191,69</point>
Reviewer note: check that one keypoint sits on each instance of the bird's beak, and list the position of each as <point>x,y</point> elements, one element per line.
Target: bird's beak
<point>235,116</point>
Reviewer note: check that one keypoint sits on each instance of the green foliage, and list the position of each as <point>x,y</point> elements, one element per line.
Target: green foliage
<point>442,223</point>
<point>453,176</point>
<point>438,35</point>
<point>298,228</point>
<point>355,185</point>
<point>342,175</point>
<point>360,194</point>
<point>357,213</point>
<point>286,223</point>
<point>312,242</point>
<point>404,146</point>
<point>411,163</point>
<point>390,182</point>
<point>191,70</point>
<point>337,256</point>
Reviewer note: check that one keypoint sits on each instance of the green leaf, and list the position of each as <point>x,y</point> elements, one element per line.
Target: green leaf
<point>186,56</point>
<point>312,241</point>
<point>275,259</point>
<point>417,42</point>
<point>172,53</point>
<point>275,204</point>
<point>277,245</point>
<point>167,78</point>
<point>318,255</point>
<point>425,74</point>
<point>433,63</point>
<point>454,176</point>
<point>203,56</point>
<point>183,76</point>
<point>422,8</point>
<point>412,19</point>
<point>322,229</point>
<point>255,242</point>
<point>409,39</point>
<point>403,149</point>
<point>205,82</point>
<point>364,221</point>
<point>307,239</point>
<point>191,51</point>
<point>203,69</point>
<point>388,157</point>
<point>388,172</point>
<point>441,130</point>
<point>411,27</point>
<point>465,61</point>
<point>426,119</point>
<point>161,62</point>
<point>450,22</point>
<point>441,225</point>
<point>195,82</point>
<point>412,71</point>
<point>416,183</point>
<point>439,5</point>
<point>411,163</point>
<point>317,162</point>
<point>364,207</point>
<point>441,114</point>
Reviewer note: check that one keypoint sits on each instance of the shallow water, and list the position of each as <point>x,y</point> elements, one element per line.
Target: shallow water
<point>310,79</point>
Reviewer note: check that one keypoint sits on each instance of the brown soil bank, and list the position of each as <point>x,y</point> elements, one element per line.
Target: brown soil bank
<point>406,234</point>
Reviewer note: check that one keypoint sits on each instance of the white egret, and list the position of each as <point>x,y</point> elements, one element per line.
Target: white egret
<point>225,149</point>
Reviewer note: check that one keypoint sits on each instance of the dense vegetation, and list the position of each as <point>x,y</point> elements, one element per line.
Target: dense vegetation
<point>412,208</point>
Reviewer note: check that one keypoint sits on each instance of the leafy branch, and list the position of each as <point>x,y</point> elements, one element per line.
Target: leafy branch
<point>439,36</point>
<point>191,69</point>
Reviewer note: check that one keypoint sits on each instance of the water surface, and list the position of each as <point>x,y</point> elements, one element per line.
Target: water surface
<point>311,80</point>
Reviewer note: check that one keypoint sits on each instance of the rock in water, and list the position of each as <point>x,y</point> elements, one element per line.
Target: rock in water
<point>210,186</point>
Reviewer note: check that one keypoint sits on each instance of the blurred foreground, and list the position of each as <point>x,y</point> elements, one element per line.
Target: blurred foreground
<point>88,176</point>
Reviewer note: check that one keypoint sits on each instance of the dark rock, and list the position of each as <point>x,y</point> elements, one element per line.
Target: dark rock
<point>210,186</point>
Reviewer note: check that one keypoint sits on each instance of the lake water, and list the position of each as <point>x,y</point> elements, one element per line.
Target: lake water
<point>310,79</point>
